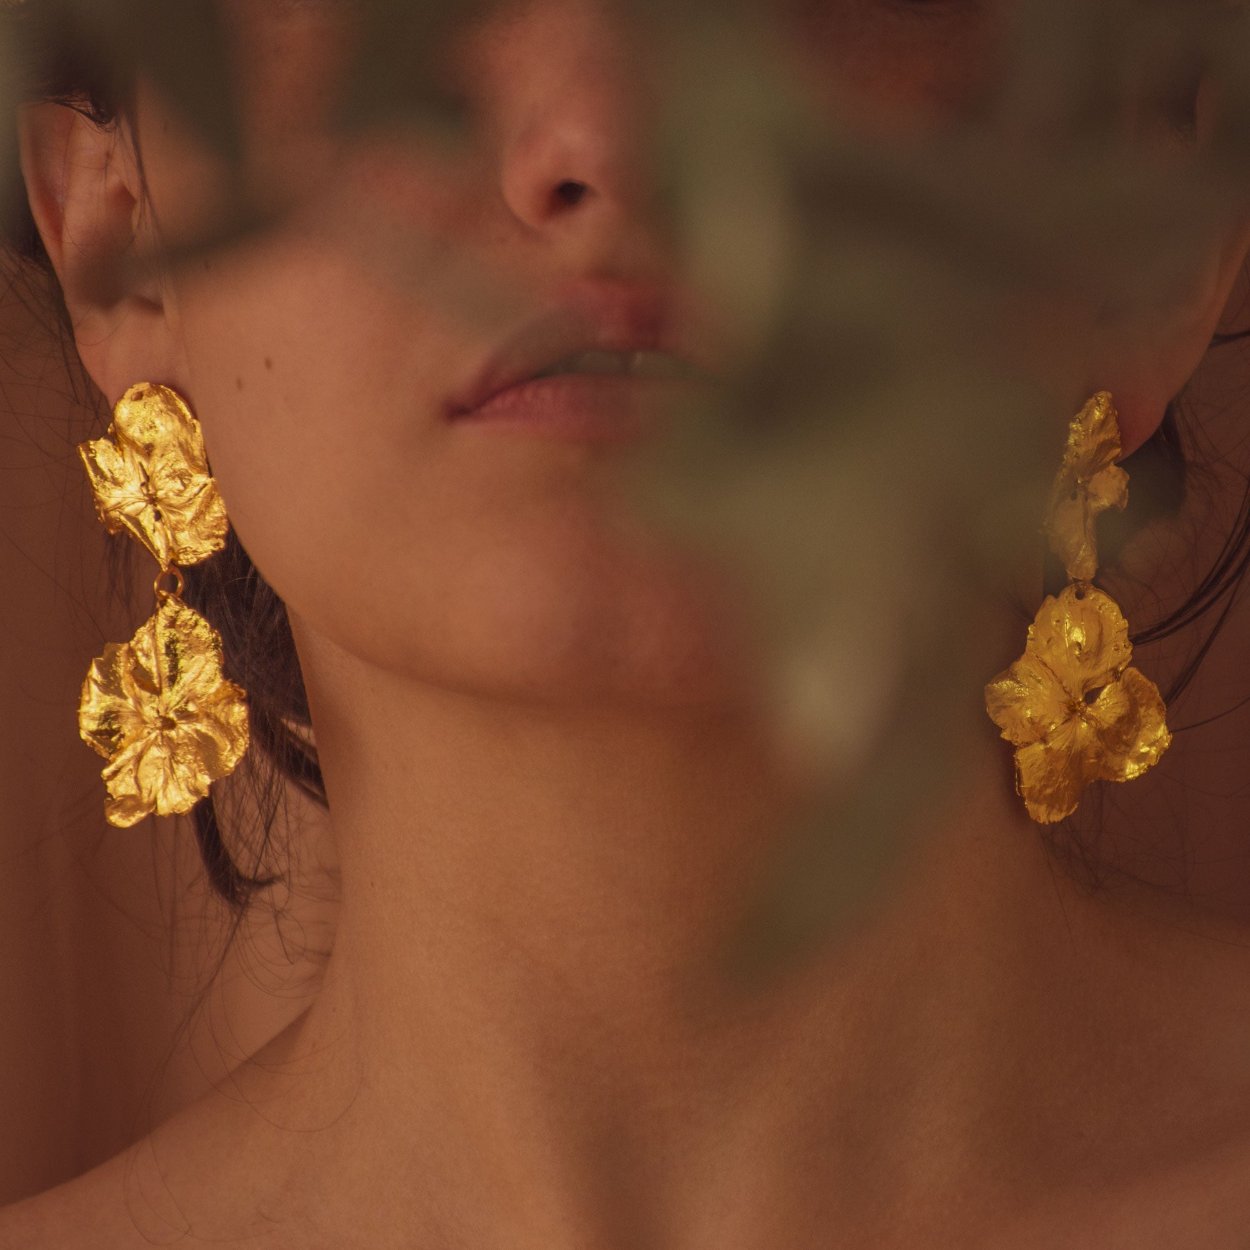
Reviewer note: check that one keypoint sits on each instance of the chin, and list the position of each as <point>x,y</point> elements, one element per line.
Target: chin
<point>662,655</point>
<point>633,635</point>
<point>556,614</point>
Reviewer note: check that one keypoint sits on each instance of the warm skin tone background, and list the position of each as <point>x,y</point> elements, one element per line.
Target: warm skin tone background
<point>549,790</point>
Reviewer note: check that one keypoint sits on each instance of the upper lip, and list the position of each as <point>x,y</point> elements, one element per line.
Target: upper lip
<point>595,317</point>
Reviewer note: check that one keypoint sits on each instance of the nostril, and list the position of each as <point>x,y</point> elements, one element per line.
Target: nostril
<point>571,192</point>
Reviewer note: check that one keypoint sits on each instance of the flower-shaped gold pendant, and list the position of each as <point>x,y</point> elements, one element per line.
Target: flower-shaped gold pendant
<point>150,478</point>
<point>1073,708</point>
<point>159,709</point>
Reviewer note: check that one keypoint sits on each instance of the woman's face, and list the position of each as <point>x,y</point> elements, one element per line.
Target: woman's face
<point>322,365</point>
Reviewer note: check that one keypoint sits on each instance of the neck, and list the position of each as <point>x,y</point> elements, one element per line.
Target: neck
<point>603,850</point>
<point>521,1035</point>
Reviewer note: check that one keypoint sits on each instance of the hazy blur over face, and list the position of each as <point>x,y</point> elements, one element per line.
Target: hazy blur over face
<point>322,355</point>
<point>321,367</point>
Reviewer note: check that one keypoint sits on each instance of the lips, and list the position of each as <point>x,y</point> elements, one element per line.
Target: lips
<point>593,317</point>
<point>587,408</point>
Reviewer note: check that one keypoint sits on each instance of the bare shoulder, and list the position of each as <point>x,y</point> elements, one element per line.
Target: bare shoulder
<point>164,1190</point>
<point>212,1172</point>
<point>187,1179</point>
<point>87,1213</point>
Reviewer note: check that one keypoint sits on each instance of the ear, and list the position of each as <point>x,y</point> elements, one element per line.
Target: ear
<point>85,188</point>
<point>1148,355</point>
<point>1146,360</point>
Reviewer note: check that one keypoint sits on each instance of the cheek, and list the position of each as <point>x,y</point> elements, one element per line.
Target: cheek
<point>487,561</point>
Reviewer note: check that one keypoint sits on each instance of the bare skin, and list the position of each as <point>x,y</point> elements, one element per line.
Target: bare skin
<point>551,793</point>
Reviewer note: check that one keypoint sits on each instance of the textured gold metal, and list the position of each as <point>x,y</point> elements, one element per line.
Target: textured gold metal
<point>162,590</point>
<point>159,709</point>
<point>1071,705</point>
<point>1073,708</point>
<point>1088,483</point>
<point>150,478</point>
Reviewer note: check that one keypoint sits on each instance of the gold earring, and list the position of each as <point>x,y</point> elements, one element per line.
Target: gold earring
<point>1071,705</point>
<point>158,708</point>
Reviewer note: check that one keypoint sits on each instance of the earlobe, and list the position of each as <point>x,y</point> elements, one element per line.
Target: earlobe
<point>83,183</point>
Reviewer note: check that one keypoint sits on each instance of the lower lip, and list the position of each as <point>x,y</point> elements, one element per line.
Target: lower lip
<point>608,408</point>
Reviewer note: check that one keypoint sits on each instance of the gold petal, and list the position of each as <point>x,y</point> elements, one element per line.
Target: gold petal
<point>155,480</point>
<point>153,777</point>
<point>1129,718</point>
<point>211,753</point>
<point>161,711</point>
<point>133,779</point>
<point>1087,484</point>
<point>178,779</point>
<point>1107,489</point>
<point>1070,529</point>
<point>1026,702</point>
<point>1051,776</point>
<point>1082,637</point>
<point>221,734</point>
<point>156,423</point>
<point>192,511</point>
<point>125,811</point>
<point>197,523</point>
<point>117,482</point>
<point>1094,437</point>
<point>112,710</point>
<point>183,655</point>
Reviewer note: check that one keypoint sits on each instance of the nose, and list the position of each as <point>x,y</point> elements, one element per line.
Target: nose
<point>571,94</point>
